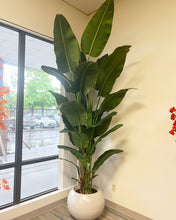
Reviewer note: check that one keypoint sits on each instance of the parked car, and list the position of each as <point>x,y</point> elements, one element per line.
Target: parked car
<point>56,118</point>
<point>29,122</point>
<point>44,122</point>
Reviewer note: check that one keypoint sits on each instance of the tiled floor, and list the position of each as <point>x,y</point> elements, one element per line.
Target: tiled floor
<point>61,213</point>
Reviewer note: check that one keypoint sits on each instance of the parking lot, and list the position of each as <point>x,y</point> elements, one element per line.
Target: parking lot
<point>37,142</point>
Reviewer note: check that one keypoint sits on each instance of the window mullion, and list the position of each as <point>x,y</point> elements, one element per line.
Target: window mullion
<point>19,117</point>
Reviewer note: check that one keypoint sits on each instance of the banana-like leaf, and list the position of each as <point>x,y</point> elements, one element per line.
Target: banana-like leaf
<point>80,140</point>
<point>66,122</point>
<point>88,77</point>
<point>103,158</point>
<point>75,113</point>
<point>113,100</point>
<point>83,57</point>
<point>83,76</point>
<point>101,59</point>
<point>103,125</point>
<point>66,46</point>
<point>108,132</point>
<point>100,127</point>
<point>60,99</point>
<point>92,150</point>
<point>110,69</point>
<point>63,79</point>
<point>98,30</point>
<point>75,153</point>
<point>65,130</point>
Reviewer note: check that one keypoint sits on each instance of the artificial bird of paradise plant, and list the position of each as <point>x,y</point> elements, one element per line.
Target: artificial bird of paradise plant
<point>88,109</point>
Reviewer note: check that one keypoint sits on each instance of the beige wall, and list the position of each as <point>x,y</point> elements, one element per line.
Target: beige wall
<point>38,15</point>
<point>143,178</point>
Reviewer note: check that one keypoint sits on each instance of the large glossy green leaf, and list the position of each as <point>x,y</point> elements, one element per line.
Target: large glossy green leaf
<point>83,57</point>
<point>75,113</point>
<point>66,46</point>
<point>98,30</point>
<point>75,153</point>
<point>113,100</point>
<point>60,99</point>
<point>66,122</point>
<point>62,78</point>
<point>103,125</point>
<point>85,77</point>
<point>89,73</point>
<point>80,140</point>
<point>108,132</point>
<point>101,59</point>
<point>110,69</point>
<point>104,157</point>
<point>92,150</point>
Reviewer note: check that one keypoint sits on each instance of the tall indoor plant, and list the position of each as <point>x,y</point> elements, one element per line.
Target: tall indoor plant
<point>87,109</point>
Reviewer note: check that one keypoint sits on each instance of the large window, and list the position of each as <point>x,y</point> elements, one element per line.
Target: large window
<point>28,143</point>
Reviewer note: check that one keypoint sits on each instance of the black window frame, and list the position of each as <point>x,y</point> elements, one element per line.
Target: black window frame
<point>18,163</point>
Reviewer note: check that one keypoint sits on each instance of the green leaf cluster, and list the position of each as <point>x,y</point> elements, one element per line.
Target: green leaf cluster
<point>88,114</point>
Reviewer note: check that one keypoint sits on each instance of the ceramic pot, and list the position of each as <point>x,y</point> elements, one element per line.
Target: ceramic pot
<point>85,206</point>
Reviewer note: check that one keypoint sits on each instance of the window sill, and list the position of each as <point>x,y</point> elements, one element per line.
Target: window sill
<point>30,206</point>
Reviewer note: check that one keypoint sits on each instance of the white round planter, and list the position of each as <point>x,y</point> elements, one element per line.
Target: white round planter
<point>85,206</point>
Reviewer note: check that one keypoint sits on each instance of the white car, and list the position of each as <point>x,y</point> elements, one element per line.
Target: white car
<point>45,122</point>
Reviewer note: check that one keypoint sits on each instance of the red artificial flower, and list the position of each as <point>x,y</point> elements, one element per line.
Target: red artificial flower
<point>174,128</point>
<point>6,187</point>
<point>172,116</point>
<point>4,181</point>
<point>172,132</point>
<point>173,109</point>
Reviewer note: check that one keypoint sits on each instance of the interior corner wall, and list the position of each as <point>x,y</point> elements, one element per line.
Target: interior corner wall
<point>143,177</point>
<point>39,15</point>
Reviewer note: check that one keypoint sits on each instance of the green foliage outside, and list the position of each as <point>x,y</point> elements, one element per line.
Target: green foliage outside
<point>37,86</point>
<point>36,91</point>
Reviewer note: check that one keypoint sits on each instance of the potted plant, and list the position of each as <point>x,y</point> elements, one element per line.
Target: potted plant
<point>87,110</point>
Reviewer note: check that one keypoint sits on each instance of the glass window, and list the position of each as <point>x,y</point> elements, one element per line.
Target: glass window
<point>41,119</point>
<point>6,196</point>
<point>8,81</point>
<point>39,177</point>
<point>33,138</point>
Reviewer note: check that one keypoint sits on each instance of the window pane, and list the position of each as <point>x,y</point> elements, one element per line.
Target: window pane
<point>39,177</point>
<point>8,78</point>
<point>41,119</point>
<point>6,196</point>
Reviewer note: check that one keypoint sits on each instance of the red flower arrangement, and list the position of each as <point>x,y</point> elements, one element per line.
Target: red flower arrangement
<point>173,118</point>
<point>4,185</point>
<point>4,114</point>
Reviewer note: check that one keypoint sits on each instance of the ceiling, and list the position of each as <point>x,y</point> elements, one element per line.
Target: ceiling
<point>86,6</point>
